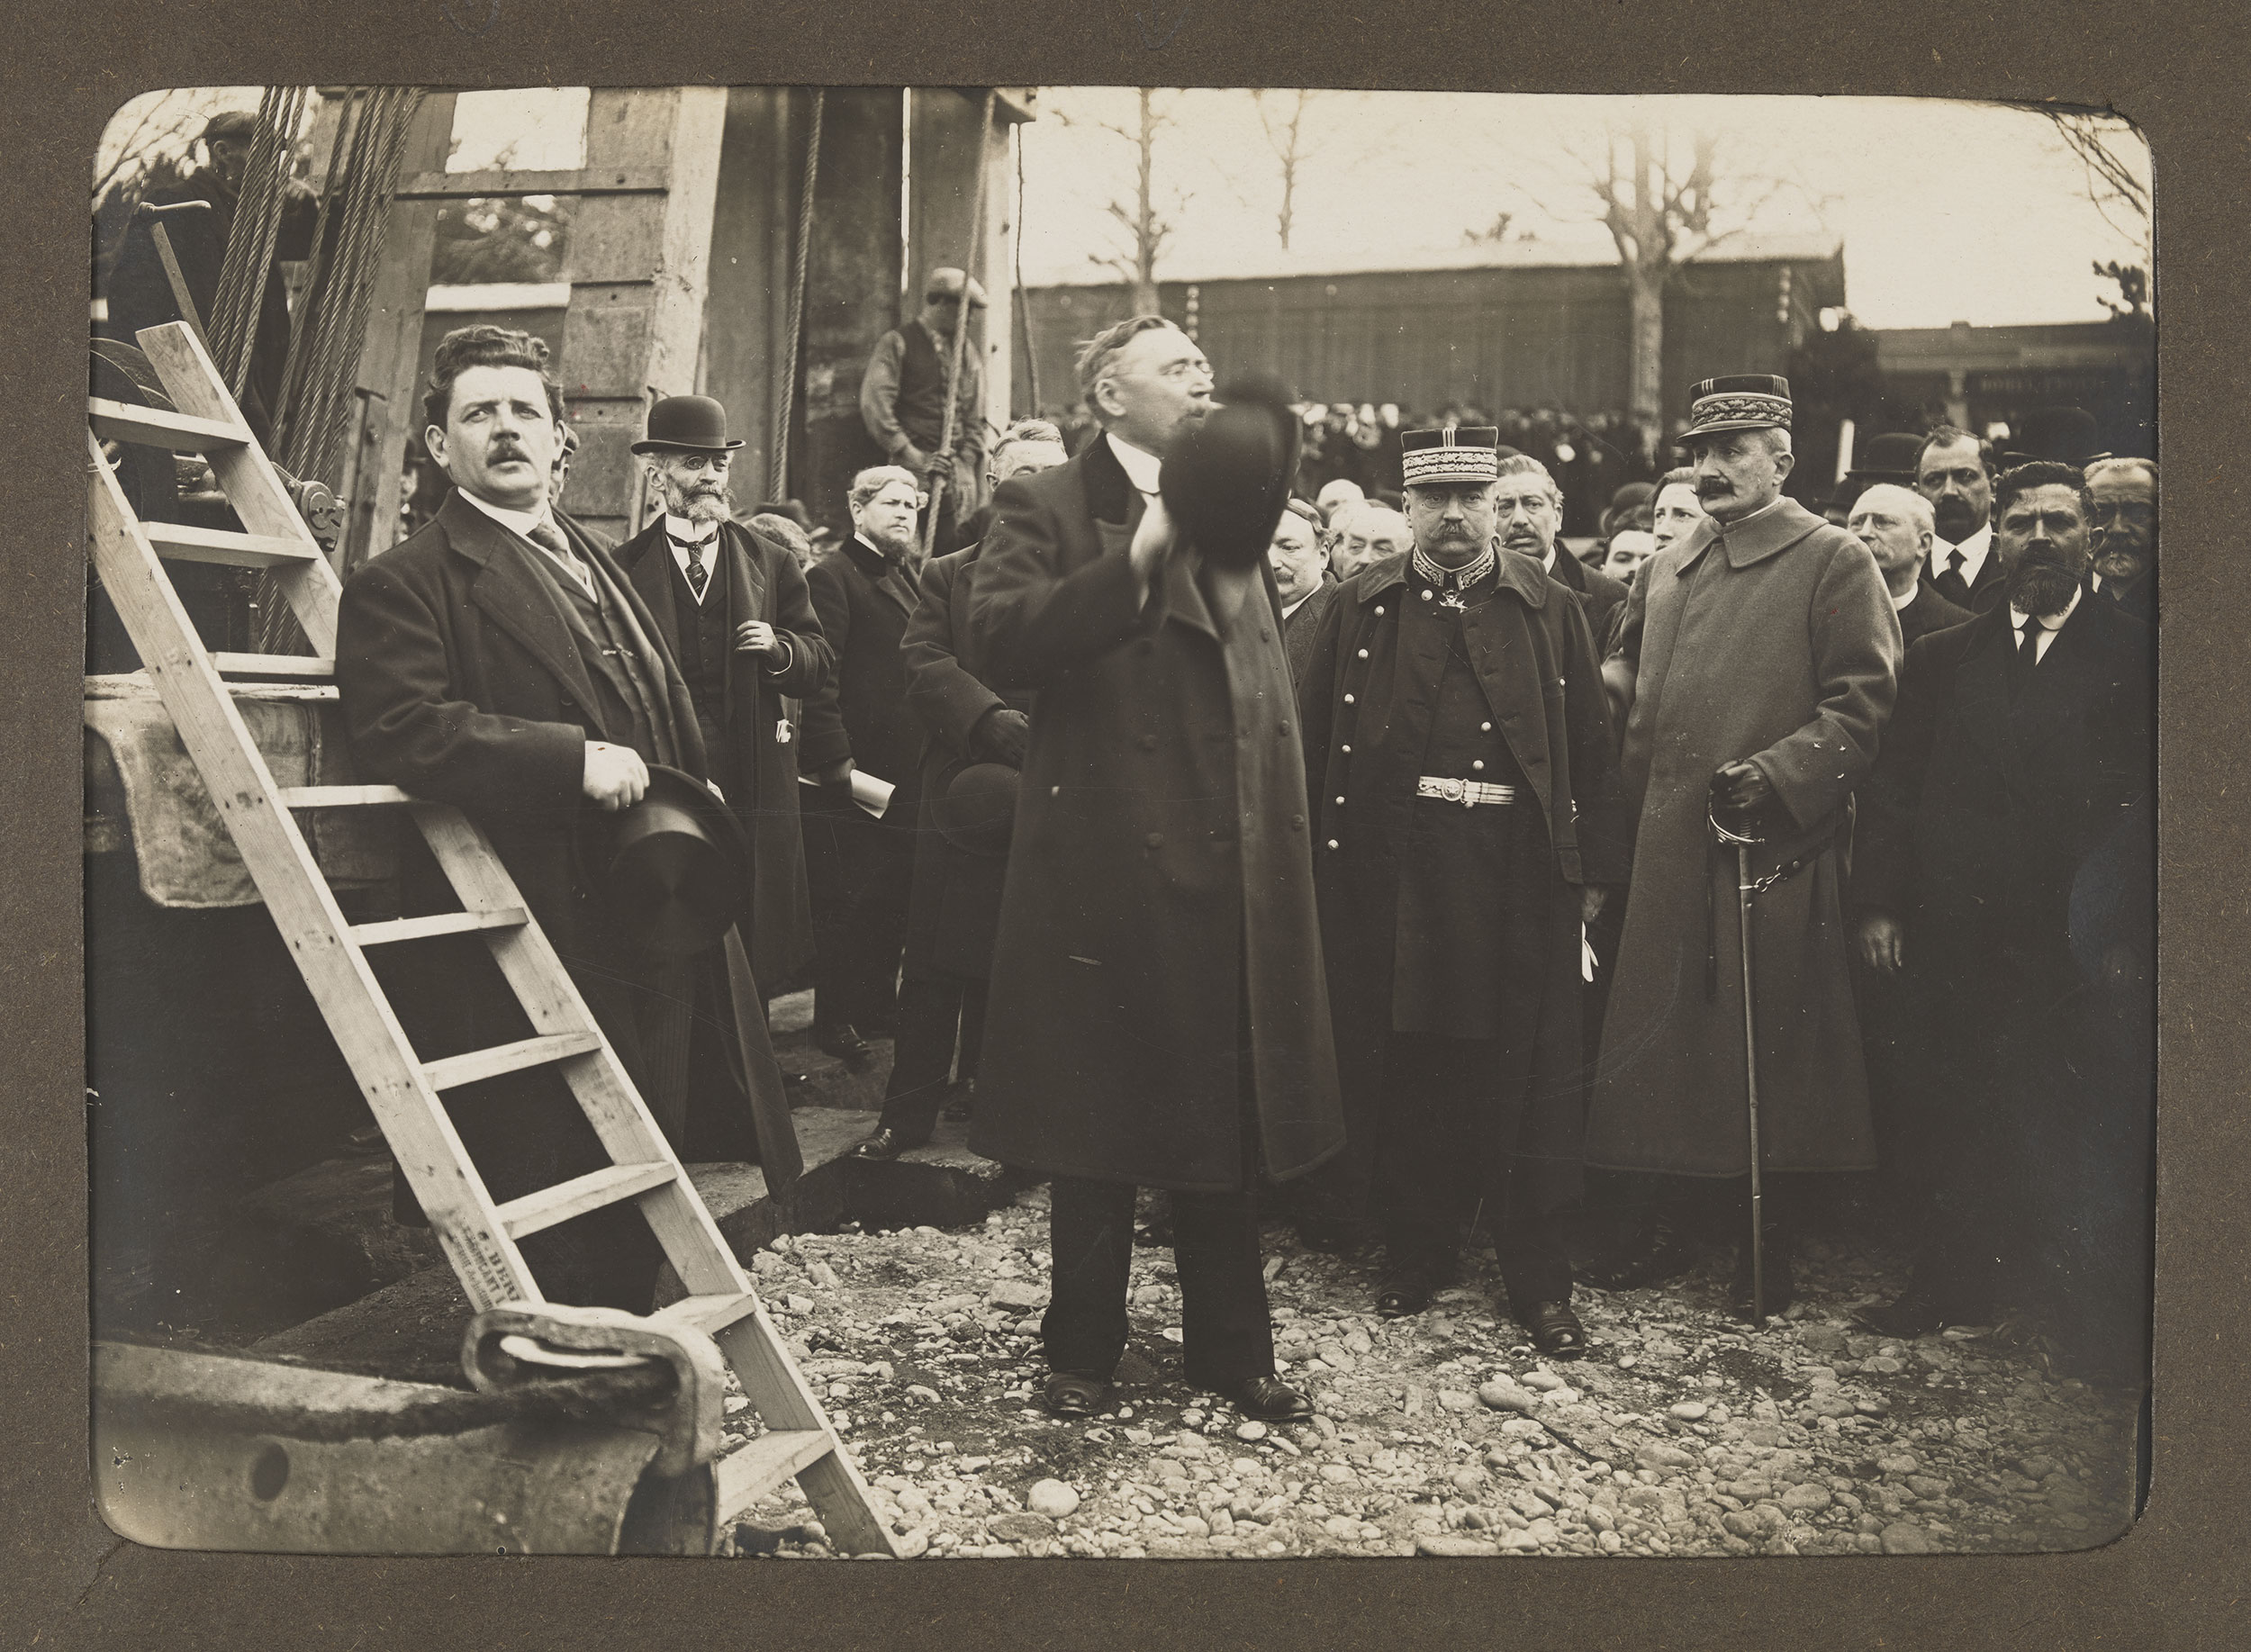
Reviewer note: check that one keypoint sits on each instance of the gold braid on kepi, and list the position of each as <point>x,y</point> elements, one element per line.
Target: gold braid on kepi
<point>1468,453</point>
<point>1741,401</point>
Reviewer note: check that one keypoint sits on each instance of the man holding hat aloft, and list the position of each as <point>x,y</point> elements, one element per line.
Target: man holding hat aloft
<point>902,400</point>
<point>732,608</point>
<point>1760,653</point>
<point>1468,821</point>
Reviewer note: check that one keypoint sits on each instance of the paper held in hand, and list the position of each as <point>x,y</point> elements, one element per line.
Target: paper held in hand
<point>870,793</point>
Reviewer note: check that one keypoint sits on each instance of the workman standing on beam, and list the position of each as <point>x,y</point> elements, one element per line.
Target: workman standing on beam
<point>902,401</point>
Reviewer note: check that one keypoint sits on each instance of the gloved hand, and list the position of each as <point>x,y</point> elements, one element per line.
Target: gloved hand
<point>1001,736</point>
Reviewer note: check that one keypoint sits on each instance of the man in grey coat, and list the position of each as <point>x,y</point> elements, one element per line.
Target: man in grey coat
<point>1760,653</point>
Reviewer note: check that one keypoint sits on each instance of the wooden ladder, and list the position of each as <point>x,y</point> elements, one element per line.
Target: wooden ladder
<point>403,1090</point>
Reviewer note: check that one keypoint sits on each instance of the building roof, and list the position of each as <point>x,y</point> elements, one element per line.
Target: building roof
<point>1379,256</point>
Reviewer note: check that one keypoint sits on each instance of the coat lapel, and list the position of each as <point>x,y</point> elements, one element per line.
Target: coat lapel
<point>647,561</point>
<point>513,597</point>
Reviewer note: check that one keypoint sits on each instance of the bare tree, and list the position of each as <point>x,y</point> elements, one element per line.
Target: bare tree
<point>1285,135</point>
<point>1666,197</point>
<point>1145,226</point>
<point>2105,146</point>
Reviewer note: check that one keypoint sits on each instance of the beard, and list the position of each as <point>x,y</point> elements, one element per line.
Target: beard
<point>2043,581</point>
<point>899,544</point>
<point>703,502</point>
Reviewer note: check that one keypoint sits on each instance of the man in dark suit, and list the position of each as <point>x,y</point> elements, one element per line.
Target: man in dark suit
<point>2125,495</point>
<point>955,908</point>
<point>1158,1015</point>
<point>1026,446</point>
<point>734,610</point>
<point>1529,511</point>
<point>1301,579</point>
<point>1894,523</point>
<point>858,730</point>
<point>1955,471</point>
<point>2006,877</point>
<point>487,663</point>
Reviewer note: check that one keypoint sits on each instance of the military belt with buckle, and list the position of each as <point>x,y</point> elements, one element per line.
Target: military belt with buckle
<point>1467,793</point>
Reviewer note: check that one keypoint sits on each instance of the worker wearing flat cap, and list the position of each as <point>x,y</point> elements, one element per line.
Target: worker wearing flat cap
<point>903,401</point>
<point>1467,820</point>
<point>732,608</point>
<point>1760,652</point>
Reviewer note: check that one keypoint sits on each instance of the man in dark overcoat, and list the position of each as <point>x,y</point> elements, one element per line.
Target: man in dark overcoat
<point>2125,495</point>
<point>1158,1017</point>
<point>1895,523</point>
<point>1468,821</point>
<point>2005,878</point>
<point>1528,508</point>
<point>1758,654</point>
<point>734,610</point>
<point>858,723</point>
<point>487,663</point>
<point>1302,581</point>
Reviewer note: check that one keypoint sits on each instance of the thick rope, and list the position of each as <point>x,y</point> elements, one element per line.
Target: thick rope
<point>785,400</point>
<point>961,328</point>
<point>260,196</point>
<point>1024,309</point>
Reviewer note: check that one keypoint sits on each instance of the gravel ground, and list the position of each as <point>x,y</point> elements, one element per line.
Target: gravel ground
<point>1682,1432</point>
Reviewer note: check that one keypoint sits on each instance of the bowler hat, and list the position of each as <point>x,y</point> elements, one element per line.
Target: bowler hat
<point>696,423</point>
<point>1888,457</point>
<point>1226,479</point>
<point>2061,435</point>
<point>680,866</point>
<point>1741,401</point>
<point>977,811</point>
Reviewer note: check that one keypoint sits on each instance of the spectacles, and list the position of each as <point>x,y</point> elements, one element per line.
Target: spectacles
<point>2126,510</point>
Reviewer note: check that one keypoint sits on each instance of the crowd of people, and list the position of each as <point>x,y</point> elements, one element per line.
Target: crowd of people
<point>1390,869</point>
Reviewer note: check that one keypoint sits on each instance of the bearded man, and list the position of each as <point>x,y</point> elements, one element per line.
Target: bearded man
<point>2006,881</point>
<point>1758,656</point>
<point>734,611</point>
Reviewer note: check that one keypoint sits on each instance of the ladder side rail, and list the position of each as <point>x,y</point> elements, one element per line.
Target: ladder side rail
<point>375,1046</point>
<point>248,478</point>
<point>684,1228</point>
<point>777,1389</point>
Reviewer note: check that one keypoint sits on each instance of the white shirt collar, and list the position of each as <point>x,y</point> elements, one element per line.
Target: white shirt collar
<point>694,533</point>
<point>518,522</point>
<point>1548,562</point>
<point>2048,626</point>
<point>1899,604</point>
<point>1141,469</point>
<point>1973,549</point>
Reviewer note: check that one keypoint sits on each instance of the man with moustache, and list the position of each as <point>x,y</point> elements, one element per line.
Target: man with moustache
<point>955,906</point>
<point>1363,532</point>
<point>1157,1013</point>
<point>488,662</point>
<point>1759,657</point>
<point>734,611</point>
<point>2005,880</point>
<point>1468,822</point>
<point>1895,523</point>
<point>1955,471</point>
<point>863,867</point>
<point>903,401</point>
<point>2125,495</point>
<point>1301,580</point>
<point>1528,512</point>
<point>1026,446</point>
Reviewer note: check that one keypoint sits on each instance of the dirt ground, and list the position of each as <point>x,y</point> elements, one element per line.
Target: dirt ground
<point>1682,1432</point>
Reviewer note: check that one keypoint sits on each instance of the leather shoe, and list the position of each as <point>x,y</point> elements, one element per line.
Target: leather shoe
<point>1780,1253</point>
<point>1396,1298</point>
<point>960,1106</point>
<point>1650,1257</point>
<point>883,1144</point>
<point>843,1041</point>
<point>1915,1312</point>
<point>1556,1330</point>
<point>1270,1399</point>
<point>1070,1394</point>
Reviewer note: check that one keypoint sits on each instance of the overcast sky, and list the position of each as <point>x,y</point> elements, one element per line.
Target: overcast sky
<point>1948,211</point>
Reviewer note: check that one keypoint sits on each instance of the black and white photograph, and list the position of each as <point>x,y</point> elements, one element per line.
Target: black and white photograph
<point>1074,822</point>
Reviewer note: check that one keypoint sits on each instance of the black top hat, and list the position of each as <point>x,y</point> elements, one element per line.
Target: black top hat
<point>1226,479</point>
<point>1741,401</point>
<point>697,423</point>
<point>2061,435</point>
<point>976,811</point>
<point>1888,457</point>
<point>680,872</point>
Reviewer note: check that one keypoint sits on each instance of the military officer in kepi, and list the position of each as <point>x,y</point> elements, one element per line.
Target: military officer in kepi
<point>1470,821</point>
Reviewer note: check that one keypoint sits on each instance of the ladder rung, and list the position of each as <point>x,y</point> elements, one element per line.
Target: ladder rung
<point>308,667</point>
<point>472,1065</point>
<point>185,543</point>
<point>339,797</point>
<point>438,923</point>
<point>708,1314</point>
<point>558,1204</point>
<point>150,427</point>
<point>744,1475</point>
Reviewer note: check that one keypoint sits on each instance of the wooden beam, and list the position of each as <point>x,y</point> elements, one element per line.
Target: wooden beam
<point>508,183</point>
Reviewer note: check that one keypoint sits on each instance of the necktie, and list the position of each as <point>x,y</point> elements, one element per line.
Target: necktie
<point>699,576</point>
<point>549,538</point>
<point>2029,640</point>
<point>1953,564</point>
